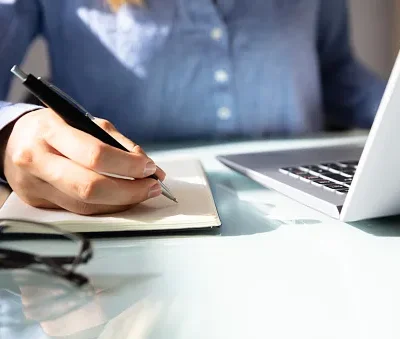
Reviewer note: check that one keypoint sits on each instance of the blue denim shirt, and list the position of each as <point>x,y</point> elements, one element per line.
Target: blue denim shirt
<point>185,69</point>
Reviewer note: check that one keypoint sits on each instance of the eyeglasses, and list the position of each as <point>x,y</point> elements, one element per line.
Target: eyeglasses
<point>61,266</point>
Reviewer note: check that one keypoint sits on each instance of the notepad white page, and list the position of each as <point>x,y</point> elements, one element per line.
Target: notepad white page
<point>185,178</point>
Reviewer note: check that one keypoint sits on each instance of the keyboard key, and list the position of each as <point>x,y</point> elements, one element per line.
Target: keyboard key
<point>336,167</point>
<point>343,190</point>
<point>336,177</point>
<point>350,172</point>
<point>320,171</point>
<point>308,168</point>
<point>322,181</point>
<point>286,169</point>
<point>324,166</point>
<point>331,166</point>
<point>308,176</point>
<point>334,171</point>
<point>335,186</point>
<point>294,170</point>
<point>349,163</point>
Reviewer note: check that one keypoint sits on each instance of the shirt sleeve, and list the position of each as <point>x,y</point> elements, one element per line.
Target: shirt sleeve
<point>19,25</point>
<point>351,92</point>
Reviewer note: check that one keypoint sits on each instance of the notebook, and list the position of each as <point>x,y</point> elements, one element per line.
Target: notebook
<point>185,178</point>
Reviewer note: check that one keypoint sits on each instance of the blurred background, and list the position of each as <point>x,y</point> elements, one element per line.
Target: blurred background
<point>375,34</point>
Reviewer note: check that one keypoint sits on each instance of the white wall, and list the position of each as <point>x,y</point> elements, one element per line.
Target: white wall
<point>372,23</point>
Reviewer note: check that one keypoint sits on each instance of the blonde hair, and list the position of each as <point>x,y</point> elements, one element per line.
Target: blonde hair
<point>116,4</point>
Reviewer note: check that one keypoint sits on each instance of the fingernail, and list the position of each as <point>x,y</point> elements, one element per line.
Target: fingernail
<point>160,169</point>
<point>154,191</point>
<point>149,169</point>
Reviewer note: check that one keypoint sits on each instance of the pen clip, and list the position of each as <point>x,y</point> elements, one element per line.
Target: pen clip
<point>67,97</point>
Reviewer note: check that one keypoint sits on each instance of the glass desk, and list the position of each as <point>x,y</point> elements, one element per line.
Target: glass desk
<point>274,269</point>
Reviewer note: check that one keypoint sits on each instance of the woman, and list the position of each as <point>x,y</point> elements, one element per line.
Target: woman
<point>171,70</point>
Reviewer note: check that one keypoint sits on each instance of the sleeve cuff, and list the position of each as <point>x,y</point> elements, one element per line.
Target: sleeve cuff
<point>10,113</point>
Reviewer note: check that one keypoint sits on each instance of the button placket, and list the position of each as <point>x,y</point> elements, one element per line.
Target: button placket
<point>216,33</point>
<point>224,113</point>
<point>221,76</point>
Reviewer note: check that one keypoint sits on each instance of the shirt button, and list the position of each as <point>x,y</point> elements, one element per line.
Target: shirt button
<point>216,33</point>
<point>224,113</point>
<point>221,76</point>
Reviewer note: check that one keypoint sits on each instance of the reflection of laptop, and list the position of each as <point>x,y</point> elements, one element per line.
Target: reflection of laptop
<point>349,183</point>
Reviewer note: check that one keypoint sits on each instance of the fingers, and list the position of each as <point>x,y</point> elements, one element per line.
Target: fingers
<point>87,186</point>
<point>59,200</point>
<point>64,201</point>
<point>127,143</point>
<point>80,207</point>
<point>96,155</point>
<point>27,189</point>
<point>160,174</point>
<point>38,202</point>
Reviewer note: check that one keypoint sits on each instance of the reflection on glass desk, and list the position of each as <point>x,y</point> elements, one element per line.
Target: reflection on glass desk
<point>275,269</point>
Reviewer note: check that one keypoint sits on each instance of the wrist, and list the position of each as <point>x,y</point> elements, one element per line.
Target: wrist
<point>11,113</point>
<point>4,136</point>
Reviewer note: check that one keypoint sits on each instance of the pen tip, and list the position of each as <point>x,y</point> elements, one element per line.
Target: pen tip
<point>175,200</point>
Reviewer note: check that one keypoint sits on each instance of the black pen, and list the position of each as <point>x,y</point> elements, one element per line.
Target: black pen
<point>74,115</point>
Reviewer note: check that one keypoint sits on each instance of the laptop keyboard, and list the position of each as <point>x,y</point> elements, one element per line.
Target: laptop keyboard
<point>334,177</point>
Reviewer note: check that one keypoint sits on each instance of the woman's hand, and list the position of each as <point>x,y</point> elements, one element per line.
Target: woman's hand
<point>50,164</point>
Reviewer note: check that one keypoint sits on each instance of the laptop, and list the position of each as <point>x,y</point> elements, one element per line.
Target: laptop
<point>349,183</point>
